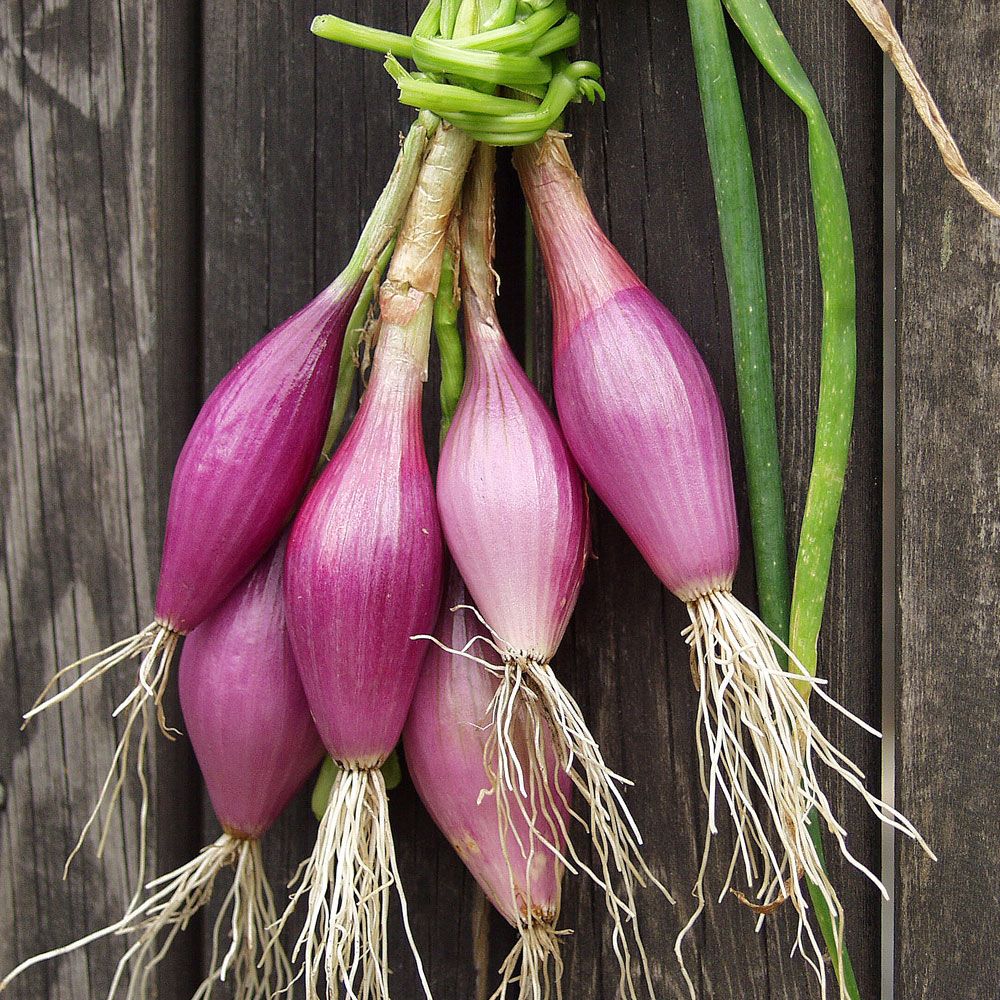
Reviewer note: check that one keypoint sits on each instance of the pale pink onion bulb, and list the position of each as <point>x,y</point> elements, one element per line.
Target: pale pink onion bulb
<point>445,740</point>
<point>636,402</point>
<point>513,505</point>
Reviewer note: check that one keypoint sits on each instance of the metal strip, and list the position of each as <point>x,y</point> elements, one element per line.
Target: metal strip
<point>890,576</point>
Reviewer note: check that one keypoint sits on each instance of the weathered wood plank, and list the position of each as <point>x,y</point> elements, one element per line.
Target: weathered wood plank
<point>97,118</point>
<point>645,167</point>
<point>845,67</point>
<point>948,378</point>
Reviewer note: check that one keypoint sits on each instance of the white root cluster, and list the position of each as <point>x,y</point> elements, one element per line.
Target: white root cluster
<point>531,706</point>
<point>156,644</point>
<point>535,964</point>
<point>348,882</point>
<point>247,912</point>
<point>758,754</point>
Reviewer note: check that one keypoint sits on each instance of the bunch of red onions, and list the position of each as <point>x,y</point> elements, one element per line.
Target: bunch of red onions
<point>311,591</point>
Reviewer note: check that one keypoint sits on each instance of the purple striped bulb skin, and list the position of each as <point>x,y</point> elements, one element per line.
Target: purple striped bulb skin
<point>645,423</point>
<point>244,707</point>
<point>444,742</point>
<point>635,399</point>
<point>513,504</point>
<point>363,571</point>
<point>248,459</point>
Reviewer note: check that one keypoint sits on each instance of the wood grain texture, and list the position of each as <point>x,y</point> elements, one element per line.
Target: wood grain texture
<point>140,135</point>
<point>97,252</point>
<point>948,510</point>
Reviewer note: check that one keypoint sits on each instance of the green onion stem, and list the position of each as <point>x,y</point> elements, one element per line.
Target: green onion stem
<point>429,23</point>
<point>449,17</point>
<point>392,202</point>
<point>349,352</point>
<point>434,55</point>
<point>447,96</point>
<point>838,372</point>
<point>500,121</point>
<point>743,252</point>
<point>449,337</point>
<point>475,59</point>
<point>563,36</point>
<point>520,35</point>
<point>361,36</point>
<point>732,165</point>
<point>504,12</point>
<point>463,50</point>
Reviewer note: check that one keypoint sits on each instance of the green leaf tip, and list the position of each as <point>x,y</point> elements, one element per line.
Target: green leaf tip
<point>392,774</point>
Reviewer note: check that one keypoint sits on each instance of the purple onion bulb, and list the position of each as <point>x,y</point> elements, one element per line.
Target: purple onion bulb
<point>244,707</point>
<point>363,570</point>
<point>635,400</point>
<point>248,458</point>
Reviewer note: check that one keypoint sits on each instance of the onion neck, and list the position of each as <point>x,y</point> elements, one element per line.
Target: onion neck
<point>407,297</point>
<point>385,218</point>
<point>583,266</point>
<point>478,228</point>
<point>483,337</point>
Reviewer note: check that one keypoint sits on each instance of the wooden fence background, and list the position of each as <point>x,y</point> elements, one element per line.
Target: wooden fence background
<point>176,178</point>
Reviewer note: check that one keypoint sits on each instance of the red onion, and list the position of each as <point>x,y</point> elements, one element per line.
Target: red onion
<point>513,505</point>
<point>642,418</point>
<point>445,740</point>
<point>635,399</point>
<point>248,459</point>
<point>244,707</point>
<point>514,512</point>
<point>256,744</point>
<point>363,574</point>
<point>364,568</point>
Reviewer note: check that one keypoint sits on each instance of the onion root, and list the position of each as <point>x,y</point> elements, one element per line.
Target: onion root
<point>347,882</point>
<point>248,909</point>
<point>156,644</point>
<point>758,753</point>
<point>534,963</point>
